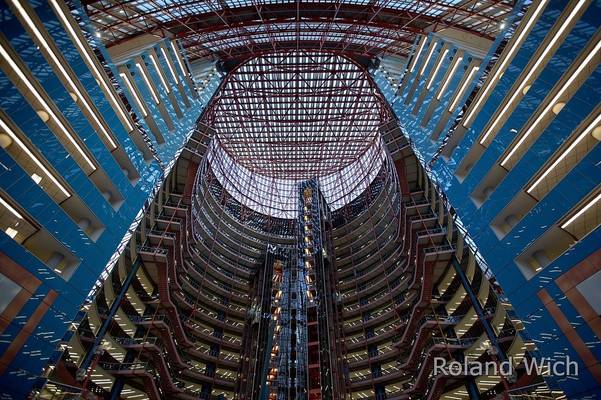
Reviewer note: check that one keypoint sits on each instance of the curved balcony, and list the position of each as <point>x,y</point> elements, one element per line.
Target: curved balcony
<point>358,207</point>
<point>384,209</point>
<point>356,251</point>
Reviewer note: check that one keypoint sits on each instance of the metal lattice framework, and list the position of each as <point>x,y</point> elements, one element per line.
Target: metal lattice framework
<point>290,116</point>
<point>296,114</point>
<point>241,28</point>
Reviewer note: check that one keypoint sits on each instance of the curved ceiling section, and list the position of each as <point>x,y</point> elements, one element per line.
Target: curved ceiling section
<point>291,116</point>
<point>234,29</point>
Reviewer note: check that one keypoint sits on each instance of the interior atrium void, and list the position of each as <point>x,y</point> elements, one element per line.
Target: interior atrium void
<point>300,200</point>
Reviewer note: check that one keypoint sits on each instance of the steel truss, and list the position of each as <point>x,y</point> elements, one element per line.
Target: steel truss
<point>234,29</point>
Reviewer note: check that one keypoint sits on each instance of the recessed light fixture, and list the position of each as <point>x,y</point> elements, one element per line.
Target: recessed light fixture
<point>75,94</point>
<point>14,138</point>
<point>419,51</point>
<point>592,127</point>
<point>582,211</point>
<point>11,232</point>
<point>150,87</point>
<point>10,208</point>
<point>449,77</point>
<point>177,56</point>
<point>134,93</point>
<point>159,72</point>
<point>582,66</point>
<point>169,64</point>
<point>435,72</point>
<point>92,65</point>
<point>47,112</point>
<point>497,75</point>
<point>464,86</point>
<point>427,60</point>
<point>525,85</point>
<point>36,178</point>
<point>558,107</point>
<point>43,115</point>
<point>5,140</point>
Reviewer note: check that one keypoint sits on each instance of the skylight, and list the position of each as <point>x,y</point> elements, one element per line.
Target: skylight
<point>290,116</point>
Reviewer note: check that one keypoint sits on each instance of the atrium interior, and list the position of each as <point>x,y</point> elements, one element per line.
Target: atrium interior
<point>300,200</point>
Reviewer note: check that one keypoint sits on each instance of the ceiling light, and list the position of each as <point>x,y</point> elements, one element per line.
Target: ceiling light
<point>432,48</point>
<point>134,93</point>
<point>515,46</point>
<point>177,56</point>
<point>169,64</point>
<point>11,232</point>
<point>43,115</point>
<point>558,107</point>
<point>449,77</point>
<point>47,112</point>
<point>582,211</point>
<point>464,86</point>
<point>5,140</point>
<point>419,51</point>
<point>37,162</point>
<point>36,178</point>
<point>570,148</point>
<point>10,208</point>
<point>526,82</point>
<point>150,87</point>
<point>58,64</point>
<point>568,84</point>
<point>156,66</point>
<point>435,72</point>
<point>92,65</point>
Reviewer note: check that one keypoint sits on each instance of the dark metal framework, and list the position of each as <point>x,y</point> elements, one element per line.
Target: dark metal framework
<point>290,116</point>
<point>234,29</point>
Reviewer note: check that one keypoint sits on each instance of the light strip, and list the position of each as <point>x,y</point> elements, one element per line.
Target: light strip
<point>566,152</point>
<point>134,93</point>
<point>150,87</point>
<point>169,64</point>
<point>178,57</point>
<point>419,51</point>
<point>573,76</point>
<point>84,51</point>
<point>10,208</point>
<point>59,65</point>
<point>532,71</point>
<point>449,77</point>
<point>45,105</point>
<point>444,54</point>
<point>156,66</point>
<point>582,211</point>
<point>497,75</point>
<point>432,48</point>
<point>463,88</point>
<point>26,150</point>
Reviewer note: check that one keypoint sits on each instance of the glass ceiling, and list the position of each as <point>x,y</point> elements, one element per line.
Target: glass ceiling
<point>290,116</point>
<point>239,29</point>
